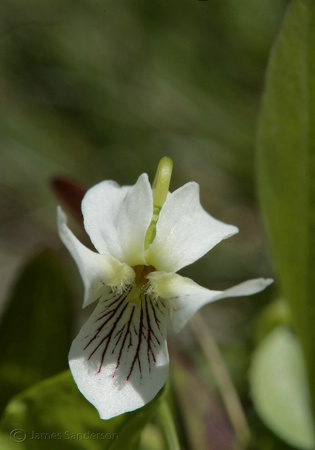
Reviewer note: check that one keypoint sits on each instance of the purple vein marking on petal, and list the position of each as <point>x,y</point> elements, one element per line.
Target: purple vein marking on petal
<point>153,309</point>
<point>111,312</point>
<point>107,306</point>
<point>147,335</point>
<point>118,312</point>
<point>150,336</point>
<point>135,329</point>
<point>136,357</point>
<point>104,312</point>
<point>127,334</point>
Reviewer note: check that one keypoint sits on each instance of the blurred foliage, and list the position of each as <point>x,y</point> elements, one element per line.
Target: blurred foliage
<point>102,90</point>
<point>286,144</point>
<point>36,327</point>
<point>55,413</point>
<point>279,388</point>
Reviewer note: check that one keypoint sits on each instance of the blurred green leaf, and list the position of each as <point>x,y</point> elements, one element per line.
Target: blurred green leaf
<point>36,328</point>
<point>151,438</point>
<point>275,314</point>
<point>286,144</point>
<point>7,443</point>
<point>54,414</point>
<point>279,388</point>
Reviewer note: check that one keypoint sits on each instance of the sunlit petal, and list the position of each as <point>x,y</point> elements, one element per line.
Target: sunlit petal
<point>184,231</point>
<point>117,218</point>
<point>119,360</point>
<point>98,272</point>
<point>186,297</point>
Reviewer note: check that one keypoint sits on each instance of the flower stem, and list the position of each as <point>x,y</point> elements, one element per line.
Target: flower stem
<point>168,426</point>
<point>223,381</point>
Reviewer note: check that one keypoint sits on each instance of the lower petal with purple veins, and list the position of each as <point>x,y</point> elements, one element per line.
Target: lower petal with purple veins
<point>119,359</point>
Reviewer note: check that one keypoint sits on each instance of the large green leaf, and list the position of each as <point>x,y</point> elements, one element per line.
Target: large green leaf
<point>286,162</point>
<point>36,328</point>
<point>53,414</point>
<point>279,389</point>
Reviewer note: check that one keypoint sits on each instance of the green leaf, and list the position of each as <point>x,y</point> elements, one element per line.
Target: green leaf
<point>36,328</point>
<point>286,164</point>
<point>53,414</point>
<point>272,316</point>
<point>8,443</point>
<point>279,389</point>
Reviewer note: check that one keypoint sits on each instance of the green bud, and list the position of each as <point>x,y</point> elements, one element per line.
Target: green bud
<point>160,188</point>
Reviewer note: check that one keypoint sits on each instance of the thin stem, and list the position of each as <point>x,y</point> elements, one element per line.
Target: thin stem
<point>169,429</point>
<point>223,380</point>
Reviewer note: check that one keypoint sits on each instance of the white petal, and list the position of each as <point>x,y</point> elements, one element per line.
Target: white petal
<point>119,360</point>
<point>187,297</point>
<point>97,271</point>
<point>117,218</point>
<point>184,231</point>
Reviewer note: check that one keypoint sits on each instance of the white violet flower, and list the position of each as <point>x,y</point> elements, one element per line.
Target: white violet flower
<point>143,235</point>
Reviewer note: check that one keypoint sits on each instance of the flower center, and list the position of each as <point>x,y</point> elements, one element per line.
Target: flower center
<point>141,280</point>
<point>142,273</point>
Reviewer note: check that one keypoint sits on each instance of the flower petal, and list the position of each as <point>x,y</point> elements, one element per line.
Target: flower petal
<point>97,271</point>
<point>186,297</point>
<point>184,231</point>
<point>119,360</point>
<point>117,218</point>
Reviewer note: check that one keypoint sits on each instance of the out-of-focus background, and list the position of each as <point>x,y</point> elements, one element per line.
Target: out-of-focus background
<point>100,90</point>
